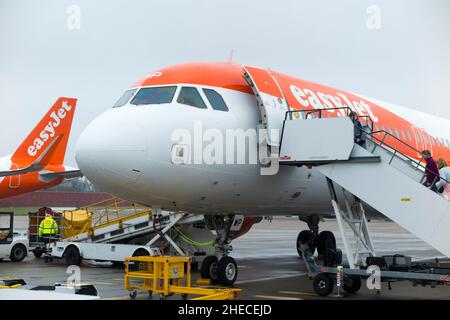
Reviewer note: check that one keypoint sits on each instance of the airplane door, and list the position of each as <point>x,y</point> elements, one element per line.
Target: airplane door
<point>271,101</point>
<point>14,181</point>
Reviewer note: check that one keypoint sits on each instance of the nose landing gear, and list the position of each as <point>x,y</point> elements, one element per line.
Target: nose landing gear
<point>220,268</point>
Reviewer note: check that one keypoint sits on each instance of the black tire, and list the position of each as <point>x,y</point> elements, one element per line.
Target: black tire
<point>307,237</point>
<point>37,252</point>
<point>208,269</point>
<point>133,294</point>
<point>227,271</point>
<point>352,284</point>
<point>141,253</point>
<point>325,240</point>
<point>73,256</point>
<point>18,253</point>
<point>323,284</point>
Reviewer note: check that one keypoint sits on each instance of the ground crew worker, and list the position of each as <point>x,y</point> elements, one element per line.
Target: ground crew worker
<point>48,228</point>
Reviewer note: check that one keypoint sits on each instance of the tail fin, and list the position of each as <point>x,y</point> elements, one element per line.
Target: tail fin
<point>47,142</point>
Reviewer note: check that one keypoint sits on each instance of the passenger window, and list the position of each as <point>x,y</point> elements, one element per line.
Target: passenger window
<point>123,100</point>
<point>191,97</point>
<point>154,95</point>
<point>397,134</point>
<point>403,135</point>
<point>215,99</point>
<point>418,137</point>
<point>409,136</point>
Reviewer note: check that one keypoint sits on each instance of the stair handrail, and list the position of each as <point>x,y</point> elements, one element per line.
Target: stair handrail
<point>369,123</point>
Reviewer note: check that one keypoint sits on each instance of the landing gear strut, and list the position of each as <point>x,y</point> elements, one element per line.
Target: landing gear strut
<point>220,268</point>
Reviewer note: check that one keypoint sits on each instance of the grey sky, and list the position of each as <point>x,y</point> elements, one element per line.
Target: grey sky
<point>405,62</point>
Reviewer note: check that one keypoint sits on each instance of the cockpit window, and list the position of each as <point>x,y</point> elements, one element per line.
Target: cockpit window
<point>216,100</point>
<point>191,97</point>
<point>123,100</point>
<point>154,95</point>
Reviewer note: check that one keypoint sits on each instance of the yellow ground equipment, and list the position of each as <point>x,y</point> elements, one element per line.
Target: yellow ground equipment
<point>168,276</point>
<point>75,222</point>
<point>84,223</point>
<point>11,283</point>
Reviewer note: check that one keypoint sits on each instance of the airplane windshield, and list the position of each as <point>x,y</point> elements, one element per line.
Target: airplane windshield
<point>123,100</point>
<point>154,95</point>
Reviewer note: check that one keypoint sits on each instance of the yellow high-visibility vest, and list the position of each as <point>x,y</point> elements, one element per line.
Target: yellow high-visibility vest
<point>48,226</point>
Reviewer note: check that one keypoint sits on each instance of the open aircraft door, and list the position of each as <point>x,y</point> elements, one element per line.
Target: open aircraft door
<point>271,101</point>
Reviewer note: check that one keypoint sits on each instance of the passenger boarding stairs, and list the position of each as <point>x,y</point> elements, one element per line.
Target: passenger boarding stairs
<point>378,174</point>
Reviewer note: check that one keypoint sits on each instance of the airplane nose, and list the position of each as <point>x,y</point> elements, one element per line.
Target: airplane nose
<point>112,148</point>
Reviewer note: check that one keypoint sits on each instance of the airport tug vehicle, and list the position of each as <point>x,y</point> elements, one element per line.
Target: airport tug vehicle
<point>13,244</point>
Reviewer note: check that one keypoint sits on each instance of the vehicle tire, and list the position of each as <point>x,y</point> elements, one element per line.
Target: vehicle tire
<point>352,284</point>
<point>18,253</point>
<point>134,265</point>
<point>37,252</point>
<point>73,256</point>
<point>325,240</point>
<point>307,237</point>
<point>133,294</point>
<point>227,271</point>
<point>141,253</point>
<point>323,284</point>
<point>208,269</point>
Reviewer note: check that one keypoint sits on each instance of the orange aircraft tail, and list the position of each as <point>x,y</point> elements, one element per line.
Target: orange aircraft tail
<point>47,142</point>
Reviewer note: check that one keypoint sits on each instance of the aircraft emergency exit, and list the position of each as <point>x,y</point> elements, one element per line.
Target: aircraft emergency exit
<point>38,161</point>
<point>146,148</point>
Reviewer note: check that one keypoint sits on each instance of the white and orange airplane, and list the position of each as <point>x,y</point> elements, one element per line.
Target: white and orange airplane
<point>129,150</point>
<point>38,161</point>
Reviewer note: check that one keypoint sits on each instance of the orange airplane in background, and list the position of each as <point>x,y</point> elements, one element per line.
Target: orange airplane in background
<point>38,161</point>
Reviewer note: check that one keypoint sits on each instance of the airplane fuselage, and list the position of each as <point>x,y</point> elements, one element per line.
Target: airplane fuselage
<point>128,151</point>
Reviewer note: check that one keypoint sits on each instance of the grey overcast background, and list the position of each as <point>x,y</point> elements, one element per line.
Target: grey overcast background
<point>406,61</point>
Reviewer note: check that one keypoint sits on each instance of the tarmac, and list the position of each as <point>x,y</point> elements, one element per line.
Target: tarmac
<point>269,266</point>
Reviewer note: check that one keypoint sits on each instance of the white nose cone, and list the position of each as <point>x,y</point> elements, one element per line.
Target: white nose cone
<point>111,151</point>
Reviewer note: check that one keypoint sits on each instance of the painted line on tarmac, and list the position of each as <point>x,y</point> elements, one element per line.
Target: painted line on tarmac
<point>299,293</point>
<point>271,278</point>
<point>276,297</point>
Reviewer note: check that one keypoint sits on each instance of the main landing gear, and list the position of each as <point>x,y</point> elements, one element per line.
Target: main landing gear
<point>325,243</point>
<point>220,268</point>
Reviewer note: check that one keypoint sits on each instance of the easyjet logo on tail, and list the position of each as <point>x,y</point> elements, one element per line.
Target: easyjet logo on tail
<point>56,118</point>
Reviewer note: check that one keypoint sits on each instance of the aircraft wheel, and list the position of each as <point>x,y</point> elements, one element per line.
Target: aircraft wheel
<point>208,269</point>
<point>18,253</point>
<point>323,284</point>
<point>325,240</point>
<point>227,271</point>
<point>352,284</point>
<point>305,237</point>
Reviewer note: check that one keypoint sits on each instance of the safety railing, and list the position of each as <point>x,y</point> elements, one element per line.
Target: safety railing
<point>111,210</point>
<point>378,142</point>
